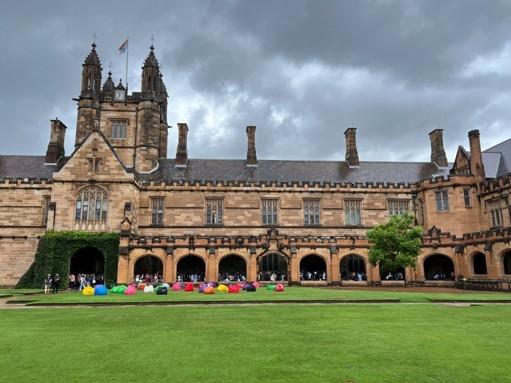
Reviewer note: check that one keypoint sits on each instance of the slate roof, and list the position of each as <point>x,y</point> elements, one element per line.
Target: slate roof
<point>293,171</point>
<point>503,165</point>
<point>25,167</point>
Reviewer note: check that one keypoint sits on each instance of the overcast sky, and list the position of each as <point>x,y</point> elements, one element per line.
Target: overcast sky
<point>302,71</point>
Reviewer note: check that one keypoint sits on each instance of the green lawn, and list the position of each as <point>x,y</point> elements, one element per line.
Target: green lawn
<point>277,343</point>
<point>291,293</point>
<point>10,292</point>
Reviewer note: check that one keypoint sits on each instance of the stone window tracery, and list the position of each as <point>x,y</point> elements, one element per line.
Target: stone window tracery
<point>91,205</point>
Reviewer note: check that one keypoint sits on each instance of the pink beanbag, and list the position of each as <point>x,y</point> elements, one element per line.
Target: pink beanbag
<point>176,286</point>
<point>256,285</point>
<point>234,289</point>
<point>279,288</point>
<point>131,290</point>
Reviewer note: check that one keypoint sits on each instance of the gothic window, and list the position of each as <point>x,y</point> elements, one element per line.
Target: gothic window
<point>398,207</point>
<point>352,216</point>
<point>466,197</point>
<point>495,208</point>
<point>269,207</point>
<point>420,212</point>
<point>311,212</point>
<point>46,208</point>
<point>91,205</point>
<point>157,209</point>
<point>118,128</point>
<point>442,200</point>
<point>214,211</point>
<point>94,164</point>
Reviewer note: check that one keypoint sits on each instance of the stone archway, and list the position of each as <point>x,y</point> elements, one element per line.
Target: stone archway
<point>479,264</point>
<point>232,267</point>
<point>272,267</point>
<point>87,260</point>
<point>439,267</point>
<point>353,267</point>
<point>191,268</point>
<point>313,268</point>
<point>506,262</point>
<point>149,265</point>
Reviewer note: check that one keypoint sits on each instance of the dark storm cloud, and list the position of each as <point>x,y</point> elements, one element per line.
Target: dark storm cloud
<point>302,71</point>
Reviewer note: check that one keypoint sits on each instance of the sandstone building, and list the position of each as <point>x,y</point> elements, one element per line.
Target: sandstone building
<point>299,219</point>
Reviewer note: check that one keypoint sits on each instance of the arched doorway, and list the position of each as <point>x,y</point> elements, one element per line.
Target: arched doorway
<point>479,264</point>
<point>506,258</point>
<point>272,267</point>
<point>353,268</point>
<point>86,267</point>
<point>232,268</point>
<point>87,260</point>
<point>313,268</point>
<point>191,268</point>
<point>149,266</point>
<point>438,267</point>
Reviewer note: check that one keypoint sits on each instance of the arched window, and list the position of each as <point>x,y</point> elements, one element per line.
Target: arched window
<point>91,205</point>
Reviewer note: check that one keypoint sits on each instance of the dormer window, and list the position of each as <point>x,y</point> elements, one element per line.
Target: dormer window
<point>118,128</point>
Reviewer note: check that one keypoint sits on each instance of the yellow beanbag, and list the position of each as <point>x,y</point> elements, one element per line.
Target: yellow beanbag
<point>222,288</point>
<point>88,291</point>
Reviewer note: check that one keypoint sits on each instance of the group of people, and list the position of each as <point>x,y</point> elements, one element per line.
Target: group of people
<point>313,275</point>
<point>82,280</point>
<point>398,276</point>
<point>51,283</point>
<point>190,277</point>
<point>357,276</point>
<point>443,277</point>
<point>271,276</point>
<point>232,277</point>
<point>148,278</point>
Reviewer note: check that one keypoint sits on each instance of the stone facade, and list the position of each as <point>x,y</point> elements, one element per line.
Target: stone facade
<point>119,179</point>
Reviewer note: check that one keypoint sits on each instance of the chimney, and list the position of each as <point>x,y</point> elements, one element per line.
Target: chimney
<point>56,144</point>
<point>476,158</point>
<point>437,148</point>
<point>182,152</point>
<point>251,149</point>
<point>351,147</point>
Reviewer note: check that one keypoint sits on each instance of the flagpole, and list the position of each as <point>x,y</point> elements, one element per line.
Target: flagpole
<point>127,54</point>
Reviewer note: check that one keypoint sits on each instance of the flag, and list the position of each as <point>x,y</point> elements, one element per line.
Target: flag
<point>123,47</point>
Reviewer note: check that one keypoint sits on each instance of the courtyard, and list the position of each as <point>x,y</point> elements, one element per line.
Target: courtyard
<point>412,341</point>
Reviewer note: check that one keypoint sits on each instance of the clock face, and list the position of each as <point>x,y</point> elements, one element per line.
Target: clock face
<point>119,95</point>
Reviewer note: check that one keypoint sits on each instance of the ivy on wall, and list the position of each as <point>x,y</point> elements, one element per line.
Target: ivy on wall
<point>56,248</point>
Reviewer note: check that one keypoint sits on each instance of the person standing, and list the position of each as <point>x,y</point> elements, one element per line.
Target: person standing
<point>56,280</point>
<point>47,284</point>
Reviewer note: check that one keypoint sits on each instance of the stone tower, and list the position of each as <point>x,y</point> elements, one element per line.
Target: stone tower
<point>88,103</point>
<point>152,110</point>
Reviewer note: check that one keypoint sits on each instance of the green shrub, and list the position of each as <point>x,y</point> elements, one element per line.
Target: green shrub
<point>56,248</point>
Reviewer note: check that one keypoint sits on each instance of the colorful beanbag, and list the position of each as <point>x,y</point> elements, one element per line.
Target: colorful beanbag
<point>189,286</point>
<point>118,289</point>
<point>270,287</point>
<point>256,284</point>
<point>149,289</point>
<point>250,288</point>
<point>279,288</point>
<point>234,289</point>
<point>131,290</point>
<point>222,288</point>
<point>88,291</point>
<point>209,290</point>
<point>141,286</point>
<point>165,285</point>
<point>162,290</point>
<point>100,290</point>
<point>176,286</point>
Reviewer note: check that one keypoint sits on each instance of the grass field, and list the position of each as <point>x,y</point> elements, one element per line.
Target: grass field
<point>277,343</point>
<point>11,292</point>
<point>291,293</point>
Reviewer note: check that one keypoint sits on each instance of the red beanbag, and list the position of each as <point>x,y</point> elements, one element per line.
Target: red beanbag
<point>279,288</point>
<point>189,286</point>
<point>234,289</point>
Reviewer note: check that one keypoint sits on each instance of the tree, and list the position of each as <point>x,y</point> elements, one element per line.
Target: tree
<point>395,244</point>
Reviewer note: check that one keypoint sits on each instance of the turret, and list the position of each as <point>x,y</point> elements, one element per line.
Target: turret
<point>151,80</point>
<point>88,103</point>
